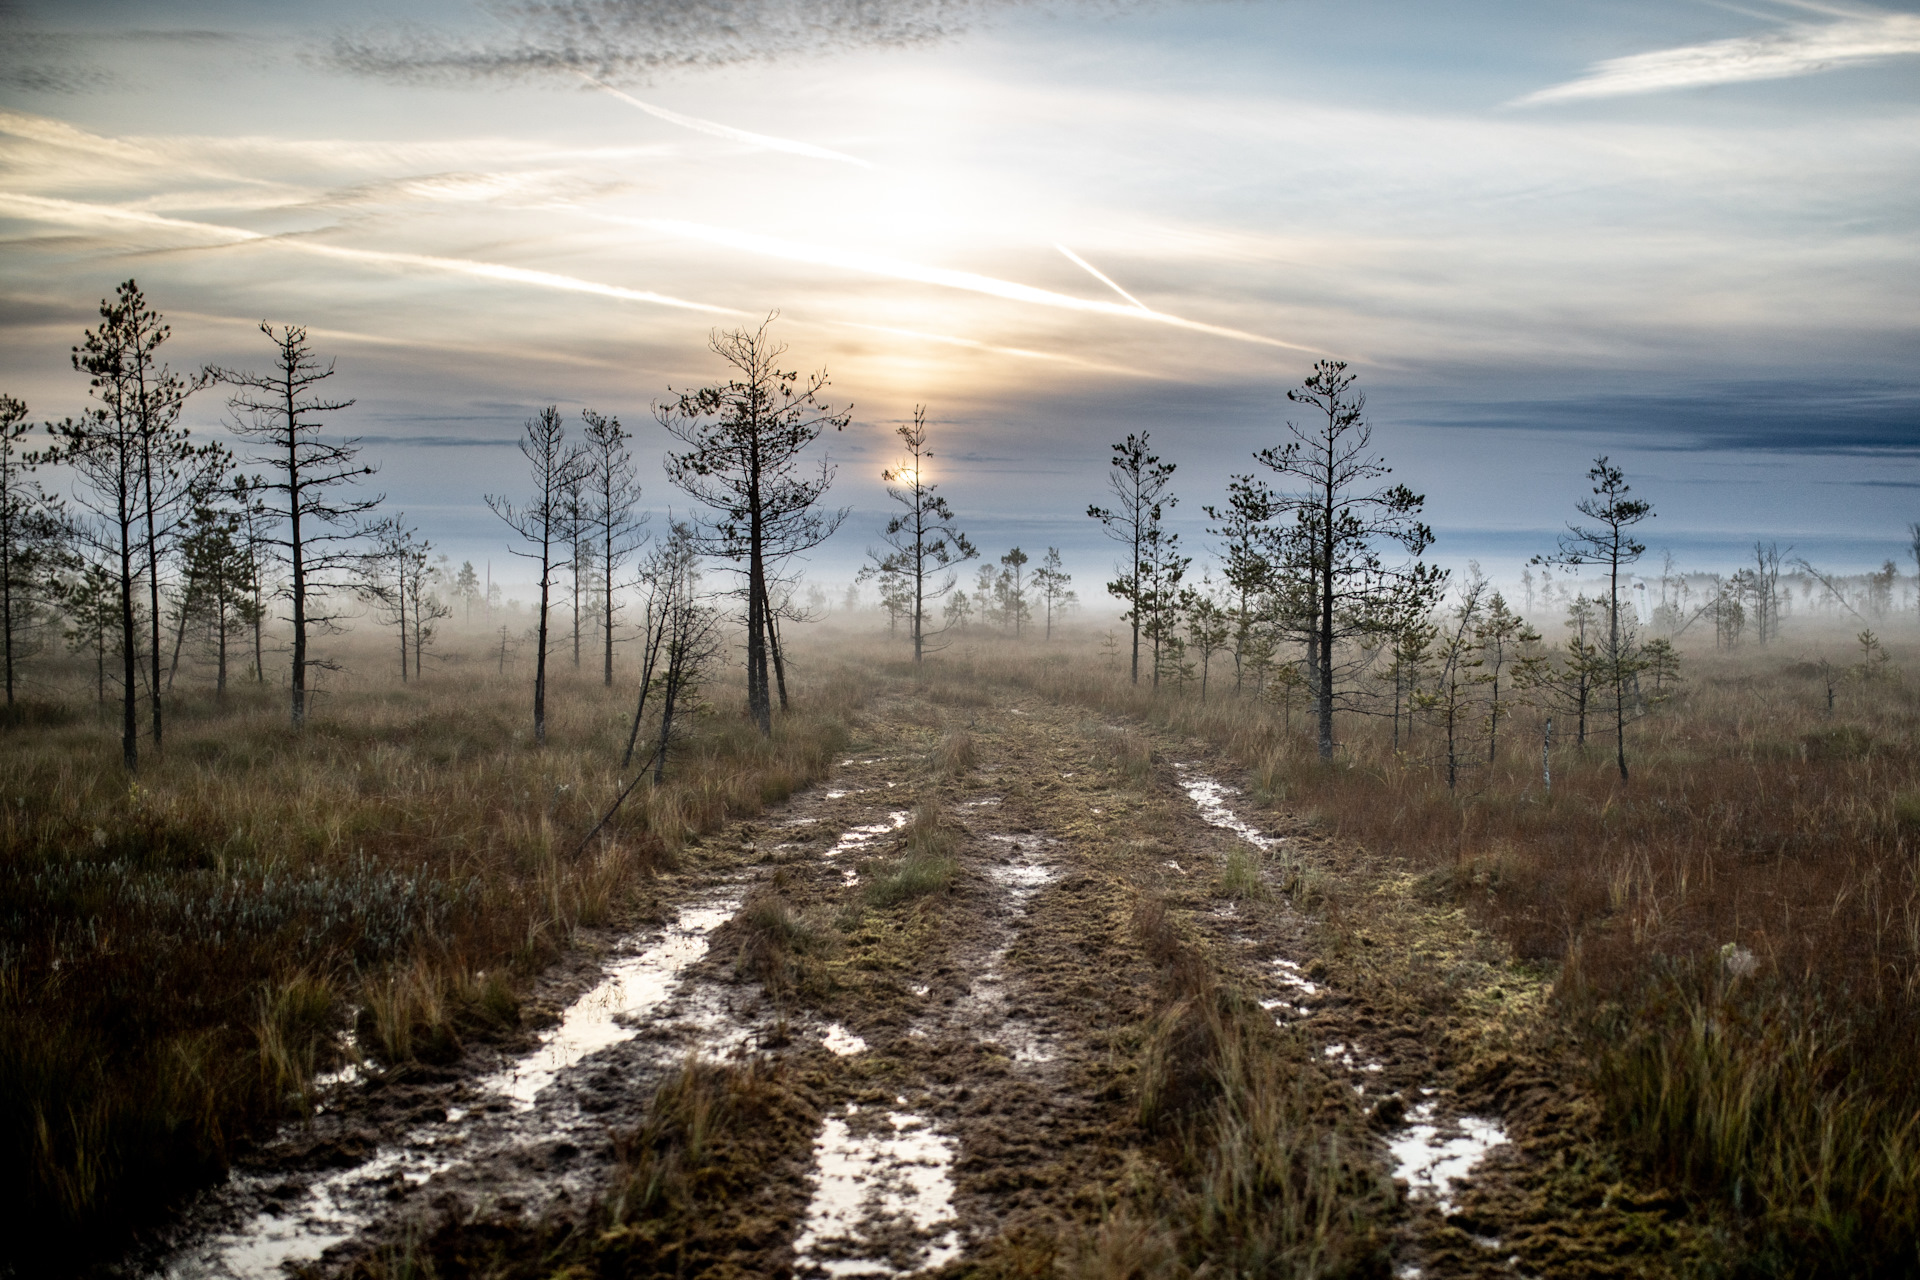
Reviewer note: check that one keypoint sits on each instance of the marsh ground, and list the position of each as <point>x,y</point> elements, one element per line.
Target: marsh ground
<point>1019,988</point>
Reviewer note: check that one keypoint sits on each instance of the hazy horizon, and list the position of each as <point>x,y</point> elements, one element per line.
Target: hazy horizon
<point>1679,236</point>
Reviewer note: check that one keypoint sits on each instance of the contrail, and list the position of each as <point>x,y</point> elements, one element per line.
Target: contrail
<point>899,269</point>
<point>67,212</point>
<point>727,131</point>
<point>1100,275</point>
<point>1024,353</point>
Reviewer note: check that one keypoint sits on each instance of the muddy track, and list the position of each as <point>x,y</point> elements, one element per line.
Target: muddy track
<point>954,1076</point>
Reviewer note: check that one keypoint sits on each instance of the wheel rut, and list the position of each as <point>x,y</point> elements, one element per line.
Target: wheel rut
<point>950,1075</point>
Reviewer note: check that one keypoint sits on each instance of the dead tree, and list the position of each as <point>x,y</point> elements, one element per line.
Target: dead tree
<point>279,414</point>
<point>541,523</point>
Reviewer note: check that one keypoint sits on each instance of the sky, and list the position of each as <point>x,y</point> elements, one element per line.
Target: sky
<point>1679,234</point>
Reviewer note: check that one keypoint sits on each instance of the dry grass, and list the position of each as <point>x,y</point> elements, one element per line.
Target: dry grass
<point>925,866</point>
<point>178,956</point>
<point>1737,929</point>
<point>1272,1171</point>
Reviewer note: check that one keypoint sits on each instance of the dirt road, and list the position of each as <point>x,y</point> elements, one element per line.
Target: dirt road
<point>1018,992</point>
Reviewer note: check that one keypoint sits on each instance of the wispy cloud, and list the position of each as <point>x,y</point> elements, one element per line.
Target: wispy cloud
<point>1798,49</point>
<point>1021,353</point>
<point>78,213</point>
<point>715,129</point>
<point>619,38</point>
<point>944,277</point>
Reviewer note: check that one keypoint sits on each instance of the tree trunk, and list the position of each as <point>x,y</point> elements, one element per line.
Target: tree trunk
<point>759,704</point>
<point>130,719</point>
<point>220,677</point>
<point>1136,595</point>
<point>180,634</point>
<point>153,596</point>
<point>1619,667</point>
<point>540,656</point>
<point>299,672</point>
<point>607,615</point>
<point>779,654</point>
<point>6,600</point>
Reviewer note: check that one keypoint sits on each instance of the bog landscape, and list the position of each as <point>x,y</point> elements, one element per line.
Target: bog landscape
<point>1323,913</point>
<point>959,640</point>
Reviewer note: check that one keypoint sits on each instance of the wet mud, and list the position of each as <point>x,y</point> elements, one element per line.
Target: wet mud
<point>791,1067</point>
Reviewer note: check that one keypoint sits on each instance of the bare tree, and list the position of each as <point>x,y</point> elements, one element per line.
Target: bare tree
<point>1611,544</point>
<point>744,439</point>
<point>1138,479</point>
<point>1340,522</point>
<point>542,523</point>
<point>145,398</point>
<point>617,530</point>
<point>923,540</point>
<point>279,414</point>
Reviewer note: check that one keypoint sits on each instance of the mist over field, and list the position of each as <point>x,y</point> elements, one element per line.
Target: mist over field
<point>1083,640</point>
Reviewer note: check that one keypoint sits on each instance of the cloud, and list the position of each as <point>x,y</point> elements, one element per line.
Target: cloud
<point>442,442</point>
<point>715,129</point>
<point>614,39</point>
<point>624,39</point>
<point>1022,353</point>
<point>73,212</point>
<point>64,61</point>
<point>1815,417</point>
<point>1799,49</point>
<point>945,277</point>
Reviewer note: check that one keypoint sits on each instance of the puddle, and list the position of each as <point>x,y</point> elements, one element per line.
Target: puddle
<point>1290,976</point>
<point>633,988</point>
<point>984,1010</point>
<point>882,1199</point>
<point>333,1209</point>
<point>1210,798</point>
<point>984,802</point>
<point>1430,1163</point>
<point>858,837</point>
<point>842,1042</point>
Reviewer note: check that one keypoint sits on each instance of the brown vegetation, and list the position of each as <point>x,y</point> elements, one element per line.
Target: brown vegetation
<point>179,956</point>
<point>1738,928</point>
